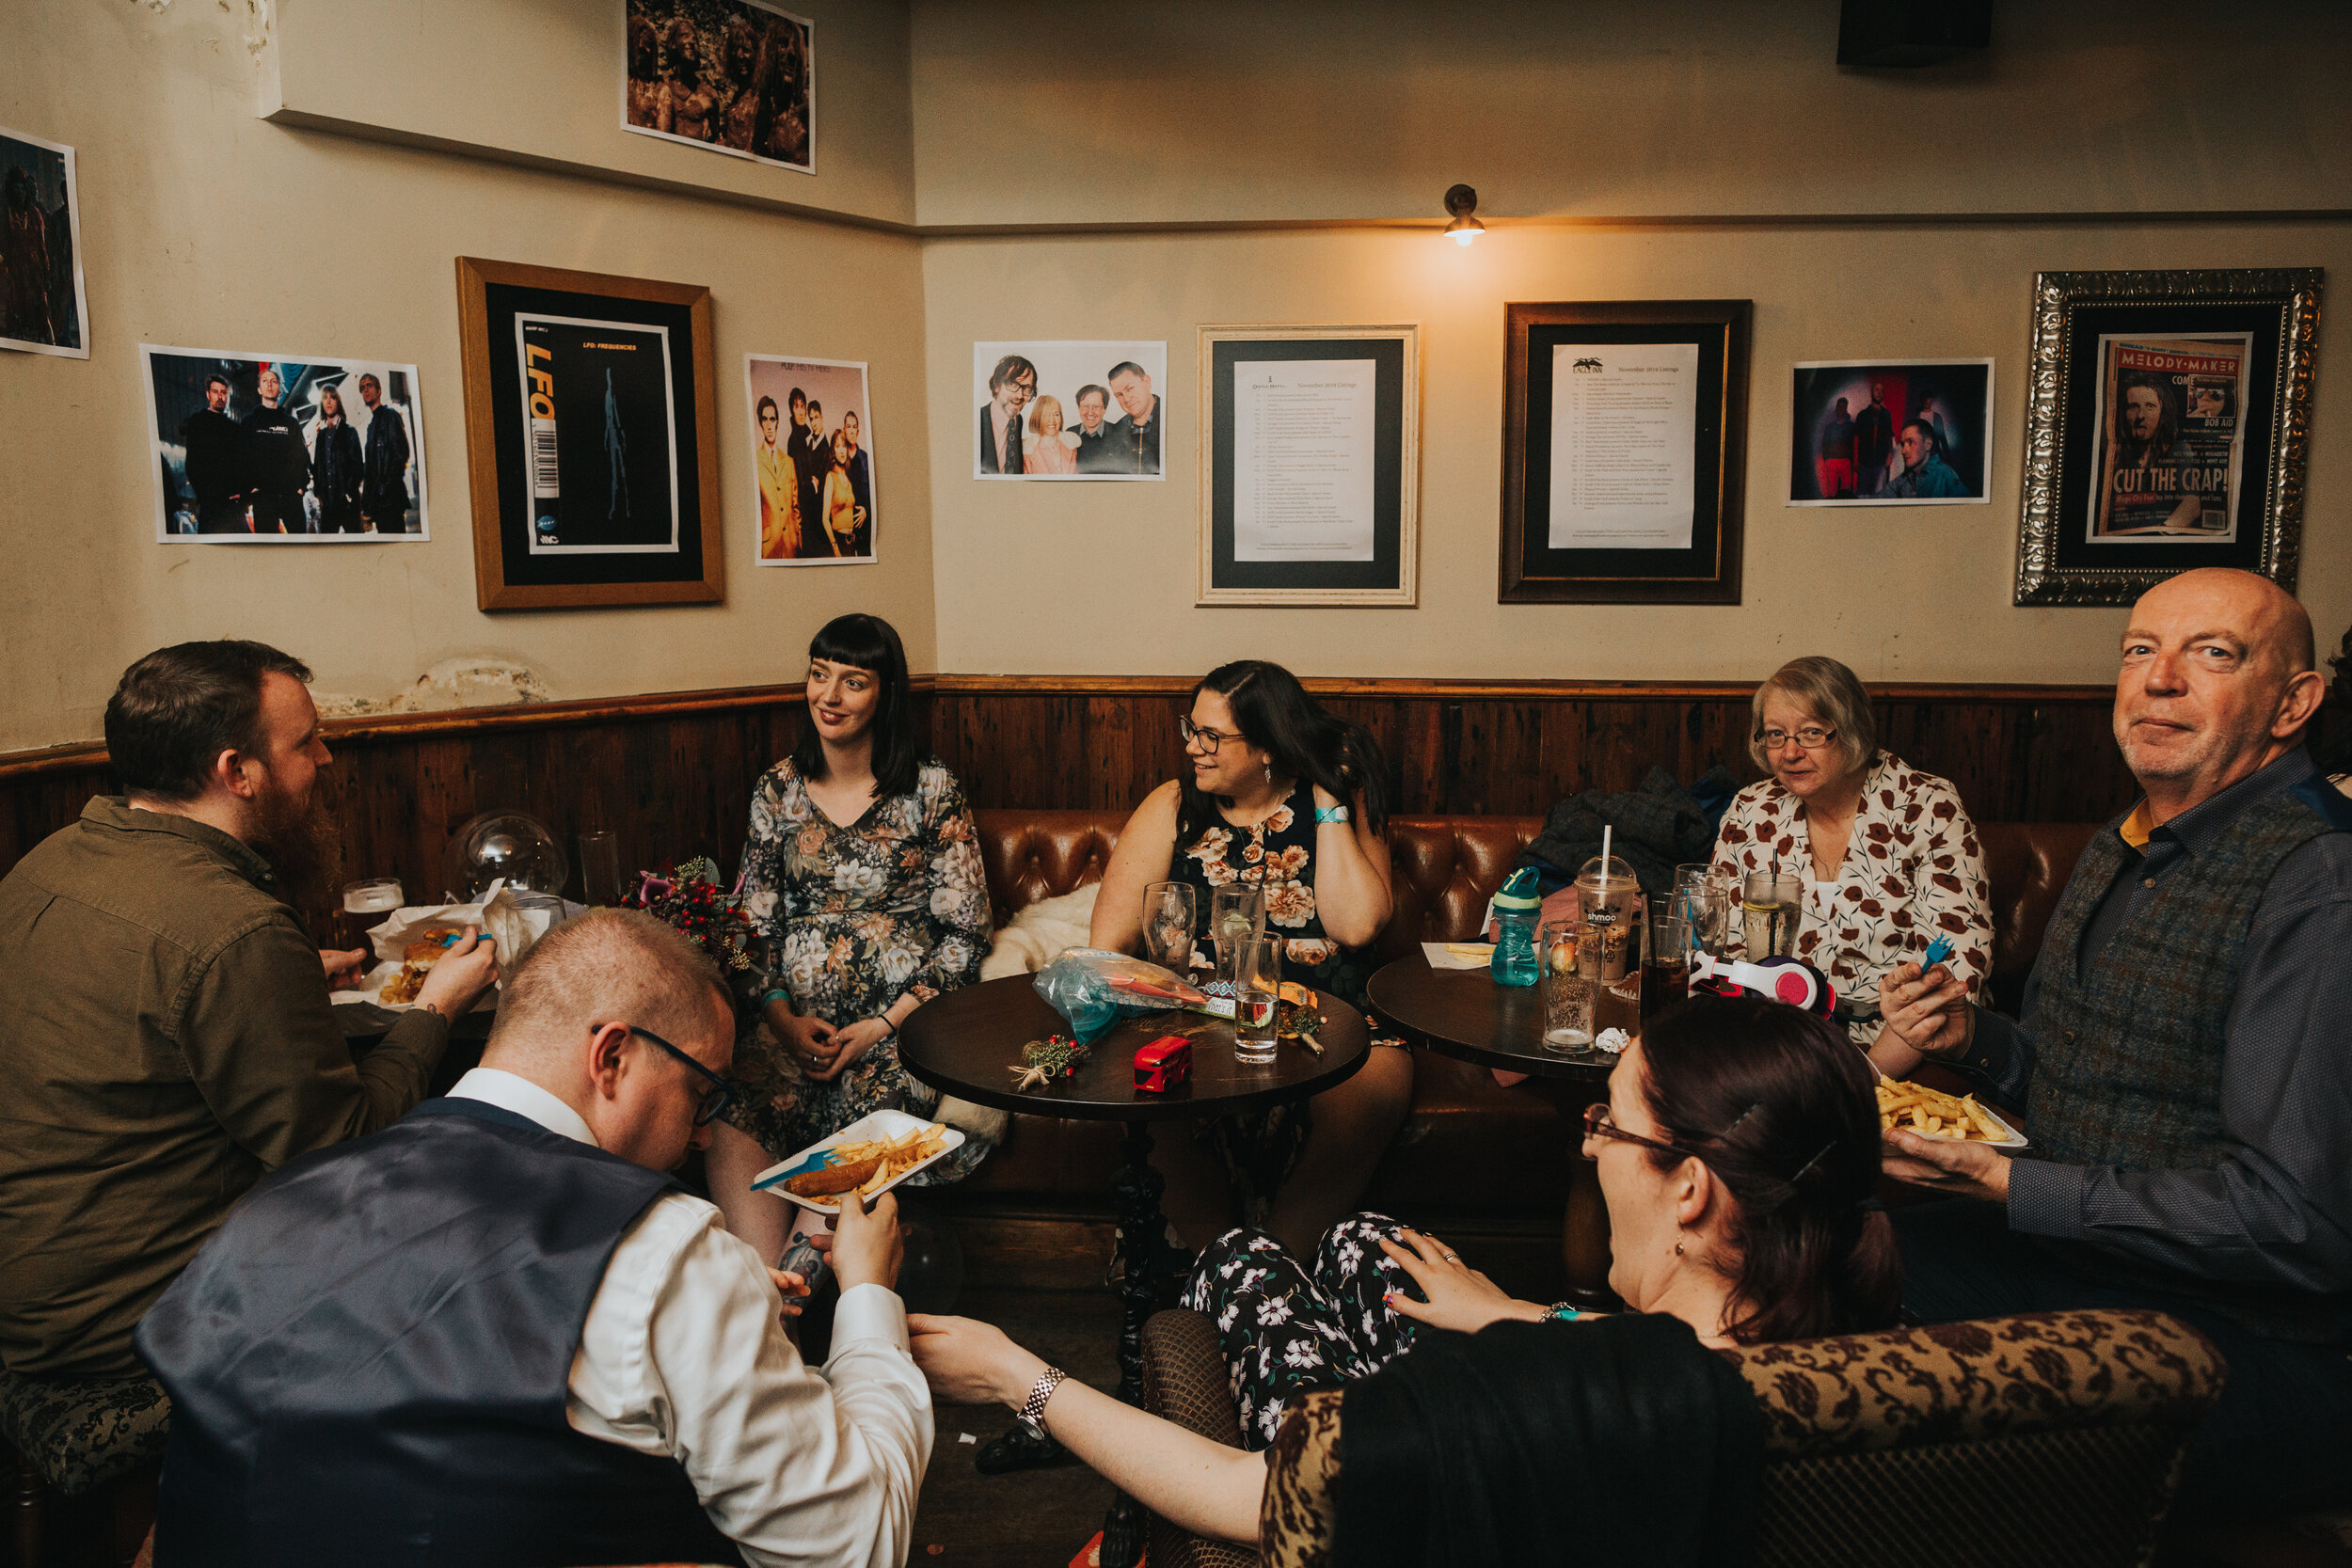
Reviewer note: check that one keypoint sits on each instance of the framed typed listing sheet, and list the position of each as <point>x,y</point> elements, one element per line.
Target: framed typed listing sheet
<point>1310,464</point>
<point>256,448</point>
<point>1069,410</point>
<point>735,76</point>
<point>811,443</point>
<point>2167,427</point>
<point>1890,432</point>
<point>44,306</point>
<point>591,438</point>
<point>1624,449</point>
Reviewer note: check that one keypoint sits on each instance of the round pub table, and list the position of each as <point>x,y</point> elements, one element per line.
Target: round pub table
<point>1462,1012</point>
<point>967,1042</point>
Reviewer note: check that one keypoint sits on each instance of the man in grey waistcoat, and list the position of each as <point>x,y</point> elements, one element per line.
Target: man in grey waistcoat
<point>2184,1056</point>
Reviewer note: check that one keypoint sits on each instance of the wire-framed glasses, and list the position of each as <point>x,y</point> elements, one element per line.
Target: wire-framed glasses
<point>714,1099</point>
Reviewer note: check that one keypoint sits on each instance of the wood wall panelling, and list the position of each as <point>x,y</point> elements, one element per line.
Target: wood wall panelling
<point>673,774</point>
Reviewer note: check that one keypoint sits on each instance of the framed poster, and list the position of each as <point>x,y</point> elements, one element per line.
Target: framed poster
<point>1069,410</point>
<point>2167,427</point>
<point>1624,451</point>
<point>1890,432</point>
<point>257,448</point>
<point>44,306</point>
<point>1310,464</point>
<point>592,439</point>
<point>735,76</point>
<point>812,441</point>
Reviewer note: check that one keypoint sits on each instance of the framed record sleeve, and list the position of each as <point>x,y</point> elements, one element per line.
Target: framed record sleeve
<point>592,439</point>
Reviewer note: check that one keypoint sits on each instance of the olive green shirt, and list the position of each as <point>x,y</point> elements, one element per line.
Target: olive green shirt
<point>166,1042</point>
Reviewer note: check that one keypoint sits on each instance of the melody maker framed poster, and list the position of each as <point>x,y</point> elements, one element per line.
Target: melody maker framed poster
<point>591,438</point>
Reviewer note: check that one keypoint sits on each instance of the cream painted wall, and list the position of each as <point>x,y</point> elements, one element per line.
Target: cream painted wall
<point>1076,111</point>
<point>1101,578</point>
<point>206,226</point>
<point>536,81</point>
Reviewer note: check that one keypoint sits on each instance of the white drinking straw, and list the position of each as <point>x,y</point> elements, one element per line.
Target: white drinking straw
<point>1605,831</point>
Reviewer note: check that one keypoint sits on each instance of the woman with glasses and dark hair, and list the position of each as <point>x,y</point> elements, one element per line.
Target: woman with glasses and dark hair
<point>1280,795</point>
<point>1737,1153</point>
<point>1888,855</point>
<point>863,871</point>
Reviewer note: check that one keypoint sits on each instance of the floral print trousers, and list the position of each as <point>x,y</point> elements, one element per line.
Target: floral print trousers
<point>1286,1331</point>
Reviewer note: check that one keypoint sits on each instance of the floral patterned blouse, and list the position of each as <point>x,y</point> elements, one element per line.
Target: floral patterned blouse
<point>1912,872</point>
<point>857,918</point>
<point>1278,852</point>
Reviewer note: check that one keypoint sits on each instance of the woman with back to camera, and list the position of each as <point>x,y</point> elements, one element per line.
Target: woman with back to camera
<point>1283,795</point>
<point>863,871</point>
<point>1738,1153</point>
<point>1886,852</point>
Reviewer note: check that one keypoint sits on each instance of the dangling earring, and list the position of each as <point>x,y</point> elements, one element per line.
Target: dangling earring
<point>1269,770</point>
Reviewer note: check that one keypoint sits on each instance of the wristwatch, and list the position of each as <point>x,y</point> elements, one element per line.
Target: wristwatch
<point>1032,1411</point>
<point>1330,814</point>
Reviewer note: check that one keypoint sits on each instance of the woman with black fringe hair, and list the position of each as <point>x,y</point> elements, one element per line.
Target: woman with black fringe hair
<point>1279,794</point>
<point>863,871</point>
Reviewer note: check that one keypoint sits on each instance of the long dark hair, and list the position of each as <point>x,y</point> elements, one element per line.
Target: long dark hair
<point>868,642</point>
<point>1274,711</point>
<point>1779,1106</point>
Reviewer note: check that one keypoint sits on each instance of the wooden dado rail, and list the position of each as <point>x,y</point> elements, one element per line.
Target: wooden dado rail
<point>673,773</point>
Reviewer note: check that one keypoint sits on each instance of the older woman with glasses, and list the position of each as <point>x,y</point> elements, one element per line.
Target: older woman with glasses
<point>1738,1153</point>
<point>1887,854</point>
<point>1279,794</point>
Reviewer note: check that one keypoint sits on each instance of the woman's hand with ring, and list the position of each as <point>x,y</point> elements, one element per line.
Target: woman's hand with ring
<point>850,1042</point>
<point>1459,1296</point>
<point>811,1041</point>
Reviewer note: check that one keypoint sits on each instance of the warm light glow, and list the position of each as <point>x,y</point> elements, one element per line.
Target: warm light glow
<point>1465,236</point>
<point>1464,230</point>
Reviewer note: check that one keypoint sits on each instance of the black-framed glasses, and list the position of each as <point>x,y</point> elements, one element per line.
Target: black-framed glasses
<point>1597,1125</point>
<point>1195,735</point>
<point>714,1099</point>
<point>1812,738</point>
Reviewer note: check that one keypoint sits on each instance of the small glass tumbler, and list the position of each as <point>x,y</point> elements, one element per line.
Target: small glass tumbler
<point>365,907</point>
<point>1257,997</point>
<point>600,869</point>
<point>1168,924</point>
<point>1769,912</point>
<point>1569,997</point>
<point>1236,911</point>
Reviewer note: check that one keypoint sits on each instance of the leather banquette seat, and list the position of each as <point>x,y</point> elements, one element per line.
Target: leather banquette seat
<point>1467,1144</point>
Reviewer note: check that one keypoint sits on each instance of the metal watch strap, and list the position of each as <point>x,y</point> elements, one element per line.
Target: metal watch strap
<point>1032,1412</point>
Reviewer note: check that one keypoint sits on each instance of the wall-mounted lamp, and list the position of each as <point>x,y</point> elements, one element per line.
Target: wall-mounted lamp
<point>1462,202</point>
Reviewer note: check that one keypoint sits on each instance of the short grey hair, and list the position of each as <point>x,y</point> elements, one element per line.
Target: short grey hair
<point>1833,694</point>
<point>608,966</point>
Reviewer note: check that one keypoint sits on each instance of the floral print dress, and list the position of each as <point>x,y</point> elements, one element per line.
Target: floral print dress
<point>856,917</point>
<point>1912,872</point>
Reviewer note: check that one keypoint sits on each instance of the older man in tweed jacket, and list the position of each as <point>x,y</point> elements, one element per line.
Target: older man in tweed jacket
<point>2183,1056</point>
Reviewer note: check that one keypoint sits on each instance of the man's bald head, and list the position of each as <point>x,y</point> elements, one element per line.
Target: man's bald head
<point>2271,620</point>
<point>607,966</point>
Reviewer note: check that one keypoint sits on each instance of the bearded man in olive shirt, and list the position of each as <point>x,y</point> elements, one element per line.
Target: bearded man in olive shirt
<point>169,1041</point>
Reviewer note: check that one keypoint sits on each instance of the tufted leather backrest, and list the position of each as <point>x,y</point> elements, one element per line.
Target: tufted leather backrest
<point>1447,867</point>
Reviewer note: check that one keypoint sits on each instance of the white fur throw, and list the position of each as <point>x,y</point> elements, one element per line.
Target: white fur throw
<point>1033,939</point>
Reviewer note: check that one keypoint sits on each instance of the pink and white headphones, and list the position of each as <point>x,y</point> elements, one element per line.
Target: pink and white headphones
<point>1790,980</point>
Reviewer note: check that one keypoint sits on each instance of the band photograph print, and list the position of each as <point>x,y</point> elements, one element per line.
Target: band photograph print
<point>283,448</point>
<point>736,76</point>
<point>43,309</point>
<point>812,460</point>
<point>1891,433</point>
<point>1068,410</point>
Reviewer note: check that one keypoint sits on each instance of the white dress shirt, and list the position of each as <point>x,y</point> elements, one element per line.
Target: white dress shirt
<point>683,1356</point>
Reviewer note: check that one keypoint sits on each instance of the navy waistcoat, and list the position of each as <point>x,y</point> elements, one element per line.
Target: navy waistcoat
<point>368,1363</point>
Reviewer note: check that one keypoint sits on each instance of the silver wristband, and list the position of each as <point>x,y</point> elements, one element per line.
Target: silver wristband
<point>1032,1411</point>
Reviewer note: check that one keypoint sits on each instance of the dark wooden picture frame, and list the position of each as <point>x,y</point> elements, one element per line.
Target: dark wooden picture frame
<point>1707,572</point>
<point>2278,310</point>
<point>507,574</point>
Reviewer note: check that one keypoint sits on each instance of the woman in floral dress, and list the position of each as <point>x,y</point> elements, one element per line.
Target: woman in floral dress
<point>1281,794</point>
<point>1887,853</point>
<point>863,871</point>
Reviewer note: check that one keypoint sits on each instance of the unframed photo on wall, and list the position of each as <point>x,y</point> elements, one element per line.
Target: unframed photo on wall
<point>811,460</point>
<point>283,448</point>
<point>1852,440</point>
<point>735,76</point>
<point>1090,409</point>
<point>44,306</point>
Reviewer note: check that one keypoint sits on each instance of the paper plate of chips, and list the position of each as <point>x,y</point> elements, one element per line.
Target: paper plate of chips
<point>1932,1114</point>
<point>868,1157</point>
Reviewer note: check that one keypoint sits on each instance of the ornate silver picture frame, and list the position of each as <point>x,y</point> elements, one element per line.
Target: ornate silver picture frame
<point>2168,419</point>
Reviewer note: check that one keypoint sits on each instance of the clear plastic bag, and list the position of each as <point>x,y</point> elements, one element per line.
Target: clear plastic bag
<point>1093,988</point>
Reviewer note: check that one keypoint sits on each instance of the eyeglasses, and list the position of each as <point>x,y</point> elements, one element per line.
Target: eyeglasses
<point>714,1099</point>
<point>1195,735</point>
<point>1597,1125</point>
<point>1812,738</point>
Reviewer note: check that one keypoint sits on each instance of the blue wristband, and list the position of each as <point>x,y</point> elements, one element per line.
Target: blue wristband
<point>1561,1312</point>
<point>1330,814</point>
